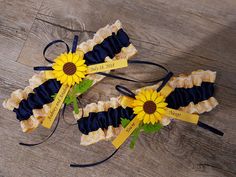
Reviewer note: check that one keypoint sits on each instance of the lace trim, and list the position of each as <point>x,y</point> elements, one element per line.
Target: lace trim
<point>188,81</point>
<point>99,36</point>
<point>96,136</point>
<point>201,107</point>
<point>194,79</point>
<point>18,95</point>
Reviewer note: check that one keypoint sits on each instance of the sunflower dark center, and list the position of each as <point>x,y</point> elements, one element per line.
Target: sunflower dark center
<point>149,107</point>
<point>69,68</point>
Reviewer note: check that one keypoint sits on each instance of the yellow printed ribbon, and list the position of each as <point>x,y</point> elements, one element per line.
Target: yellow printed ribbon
<point>107,66</point>
<point>166,90</point>
<point>125,133</point>
<point>56,105</point>
<point>180,115</point>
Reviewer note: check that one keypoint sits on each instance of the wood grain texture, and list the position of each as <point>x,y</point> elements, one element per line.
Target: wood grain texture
<point>182,35</point>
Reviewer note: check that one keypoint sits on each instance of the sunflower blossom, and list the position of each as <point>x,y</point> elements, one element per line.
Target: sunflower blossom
<point>149,106</point>
<point>70,68</point>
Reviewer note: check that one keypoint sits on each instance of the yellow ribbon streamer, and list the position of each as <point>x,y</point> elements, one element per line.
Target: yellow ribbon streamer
<point>56,105</point>
<point>166,90</point>
<point>107,66</point>
<point>126,132</point>
<point>180,115</point>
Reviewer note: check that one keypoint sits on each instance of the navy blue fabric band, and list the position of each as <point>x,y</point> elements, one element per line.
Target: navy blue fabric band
<point>110,46</point>
<point>179,97</point>
<point>104,119</point>
<point>41,95</point>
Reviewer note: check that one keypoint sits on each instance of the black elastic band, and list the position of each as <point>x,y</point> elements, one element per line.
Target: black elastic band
<point>164,82</point>
<point>45,139</point>
<point>63,115</point>
<point>93,164</point>
<point>134,80</point>
<point>43,68</point>
<point>52,43</point>
<point>147,62</point>
<point>211,129</point>
<point>74,45</point>
<point>125,91</point>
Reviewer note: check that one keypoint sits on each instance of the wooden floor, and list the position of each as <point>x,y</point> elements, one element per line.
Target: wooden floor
<point>183,35</point>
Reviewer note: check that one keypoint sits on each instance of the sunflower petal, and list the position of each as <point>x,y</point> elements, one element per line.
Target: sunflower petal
<point>75,58</point>
<point>69,80</point>
<point>59,73</point>
<point>57,67</point>
<point>154,96</point>
<point>80,62</point>
<point>138,109</point>
<point>159,99</point>
<point>148,94</point>
<point>157,115</point>
<point>138,103</point>
<point>81,68</point>
<point>161,111</point>
<point>80,74</point>
<point>59,61</point>
<point>63,57</point>
<point>69,57</point>
<point>140,97</point>
<point>73,82</point>
<point>162,105</point>
<point>76,78</point>
<point>153,119</point>
<point>64,78</point>
<point>146,118</point>
<point>141,115</point>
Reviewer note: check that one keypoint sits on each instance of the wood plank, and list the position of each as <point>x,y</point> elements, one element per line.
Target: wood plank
<point>184,36</point>
<point>16,19</point>
<point>40,35</point>
<point>171,26</point>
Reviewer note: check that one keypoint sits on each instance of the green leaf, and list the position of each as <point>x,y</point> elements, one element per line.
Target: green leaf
<point>124,122</point>
<point>68,100</point>
<point>83,86</point>
<point>150,128</point>
<point>75,105</point>
<point>135,136</point>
